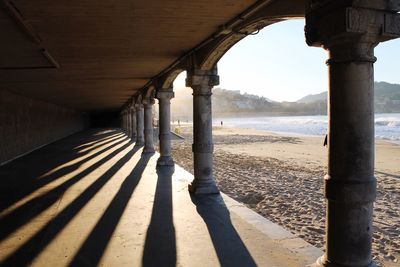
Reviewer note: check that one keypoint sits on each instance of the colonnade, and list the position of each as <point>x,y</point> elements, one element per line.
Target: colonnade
<point>137,122</point>
<point>350,186</point>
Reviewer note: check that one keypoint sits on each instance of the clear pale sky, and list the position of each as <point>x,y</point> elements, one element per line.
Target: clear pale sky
<point>277,64</point>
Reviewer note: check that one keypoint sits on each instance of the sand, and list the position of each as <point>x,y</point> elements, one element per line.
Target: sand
<point>281,178</point>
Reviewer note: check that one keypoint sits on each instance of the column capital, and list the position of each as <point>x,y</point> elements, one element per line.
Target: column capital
<point>202,78</point>
<point>148,101</point>
<point>165,94</point>
<point>335,23</point>
<point>138,105</point>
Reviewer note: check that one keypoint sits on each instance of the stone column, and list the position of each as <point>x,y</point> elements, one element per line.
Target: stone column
<point>133,123</point>
<point>124,121</point>
<point>148,125</point>
<point>128,122</point>
<point>164,101</point>
<point>350,35</point>
<point>202,83</point>
<point>140,124</point>
<point>121,119</point>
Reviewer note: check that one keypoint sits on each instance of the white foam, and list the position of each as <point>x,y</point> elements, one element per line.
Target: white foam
<point>387,126</point>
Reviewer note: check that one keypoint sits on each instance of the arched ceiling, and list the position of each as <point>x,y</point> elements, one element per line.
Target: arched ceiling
<point>93,55</point>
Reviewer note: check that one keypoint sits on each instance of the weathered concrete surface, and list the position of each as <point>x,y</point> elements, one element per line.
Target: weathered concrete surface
<point>26,124</point>
<point>95,199</point>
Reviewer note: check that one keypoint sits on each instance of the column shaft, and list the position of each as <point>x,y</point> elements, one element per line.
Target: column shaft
<point>128,123</point>
<point>350,31</point>
<point>350,184</point>
<point>121,120</point>
<point>140,125</point>
<point>148,126</point>
<point>124,122</point>
<point>202,83</point>
<point>164,98</point>
<point>133,124</point>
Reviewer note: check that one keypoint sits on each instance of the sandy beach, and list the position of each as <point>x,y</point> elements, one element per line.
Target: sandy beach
<point>281,178</point>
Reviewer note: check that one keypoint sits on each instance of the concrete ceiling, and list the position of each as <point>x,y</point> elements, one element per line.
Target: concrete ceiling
<point>93,55</point>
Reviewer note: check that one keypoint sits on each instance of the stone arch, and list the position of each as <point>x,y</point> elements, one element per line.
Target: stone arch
<point>165,82</point>
<point>138,98</point>
<point>208,56</point>
<point>149,92</point>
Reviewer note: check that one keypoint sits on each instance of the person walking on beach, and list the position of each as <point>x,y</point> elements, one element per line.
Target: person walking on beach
<point>222,123</point>
<point>326,140</point>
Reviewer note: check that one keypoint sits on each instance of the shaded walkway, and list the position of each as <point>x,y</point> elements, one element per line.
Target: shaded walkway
<point>94,199</point>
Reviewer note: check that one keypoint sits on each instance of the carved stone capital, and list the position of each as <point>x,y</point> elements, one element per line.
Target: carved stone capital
<point>165,95</point>
<point>202,78</point>
<point>392,5</point>
<point>148,101</point>
<point>138,106</point>
<point>334,23</point>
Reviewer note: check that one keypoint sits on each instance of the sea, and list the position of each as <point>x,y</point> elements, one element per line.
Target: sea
<point>387,125</point>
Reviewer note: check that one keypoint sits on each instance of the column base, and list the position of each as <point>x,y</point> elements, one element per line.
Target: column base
<point>322,262</point>
<point>200,189</point>
<point>139,143</point>
<point>165,161</point>
<point>148,150</point>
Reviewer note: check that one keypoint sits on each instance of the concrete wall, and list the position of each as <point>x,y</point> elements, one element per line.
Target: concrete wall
<point>27,124</point>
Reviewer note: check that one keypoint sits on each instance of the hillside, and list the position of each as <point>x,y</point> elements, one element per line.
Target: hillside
<point>228,102</point>
<point>387,97</point>
<point>313,98</point>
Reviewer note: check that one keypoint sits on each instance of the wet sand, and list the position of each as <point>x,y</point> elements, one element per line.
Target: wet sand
<point>281,178</point>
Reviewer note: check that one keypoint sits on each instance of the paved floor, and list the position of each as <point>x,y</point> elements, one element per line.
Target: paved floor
<point>94,199</point>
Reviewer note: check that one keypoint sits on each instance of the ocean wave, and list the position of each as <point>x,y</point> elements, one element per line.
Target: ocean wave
<point>300,121</point>
<point>387,126</point>
<point>388,122</point>
<point>389,138</point>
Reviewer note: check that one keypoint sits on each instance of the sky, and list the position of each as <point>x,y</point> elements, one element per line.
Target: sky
<point>277,64</point>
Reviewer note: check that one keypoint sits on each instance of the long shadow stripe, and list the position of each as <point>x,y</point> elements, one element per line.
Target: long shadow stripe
<point>29,210</point>
<point>88,144</point>
<point>93,248</point>
<point>160,244</point>
<point>32,247</point>
<point>99,144</point>
<point>52,177</point>
<point>231,250</point>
